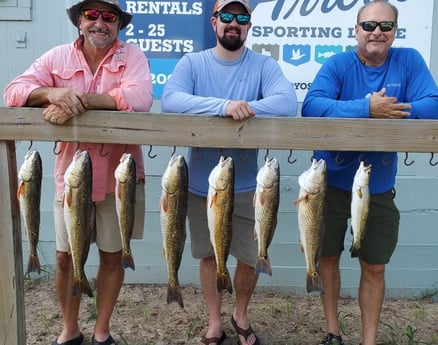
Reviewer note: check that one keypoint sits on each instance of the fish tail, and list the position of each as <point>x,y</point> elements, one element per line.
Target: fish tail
<point>263,265</point>
<point>313,282</point>
<point>174,295</point>
<point>224,282</point>
<point>33,264</point>
<point>81,285</point>
<point>128,260</point>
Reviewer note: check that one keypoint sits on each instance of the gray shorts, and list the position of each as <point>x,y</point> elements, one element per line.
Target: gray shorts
<point>381,232</point>
<point>243,245</point>
<point>107,235</point>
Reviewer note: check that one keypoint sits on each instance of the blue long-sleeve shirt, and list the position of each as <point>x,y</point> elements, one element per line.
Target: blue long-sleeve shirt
<point>342,88</point>
<point>202,83</point>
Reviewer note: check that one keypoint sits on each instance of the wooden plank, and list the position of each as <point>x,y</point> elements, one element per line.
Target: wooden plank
<point>215,131</point>
<point>12,324</point>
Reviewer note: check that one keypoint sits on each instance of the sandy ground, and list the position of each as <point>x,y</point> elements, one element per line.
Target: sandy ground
<point>142,316</point>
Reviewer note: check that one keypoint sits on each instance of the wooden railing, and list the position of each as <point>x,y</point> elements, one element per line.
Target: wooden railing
<point>173,130</point>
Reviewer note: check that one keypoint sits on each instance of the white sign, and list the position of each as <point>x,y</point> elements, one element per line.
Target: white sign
<point>302,34</point>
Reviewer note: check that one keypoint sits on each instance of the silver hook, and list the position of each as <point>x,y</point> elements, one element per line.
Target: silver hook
<point>30,145</point>
<point>54,149</point>
<point>173,151</point>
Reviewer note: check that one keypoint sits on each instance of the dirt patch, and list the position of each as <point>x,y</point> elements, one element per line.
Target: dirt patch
<point>142,317</point>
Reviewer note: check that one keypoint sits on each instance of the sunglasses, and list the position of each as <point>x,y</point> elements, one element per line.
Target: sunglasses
<point>370,26</point>
<point>241,18</point>
<point>107,16</point>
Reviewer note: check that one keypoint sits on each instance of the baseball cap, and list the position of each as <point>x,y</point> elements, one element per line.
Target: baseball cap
<point>220,4</point>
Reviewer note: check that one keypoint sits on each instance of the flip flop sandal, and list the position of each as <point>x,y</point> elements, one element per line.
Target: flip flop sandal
<point>244,332</point>
<point>214,340</point>
<point>108,341</point>
<point>76,341</point>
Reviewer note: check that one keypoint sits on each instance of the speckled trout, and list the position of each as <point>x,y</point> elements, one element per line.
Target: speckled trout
<point>360,202</point>
<point>173,214</point>
<point>78,217</point>
<point>126,183</point>
<point>29,196</point>
<point>220,204</point>
<point>266,202</point>
<point>311,205</point>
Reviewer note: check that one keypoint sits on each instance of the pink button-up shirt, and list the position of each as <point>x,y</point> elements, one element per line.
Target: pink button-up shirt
<point>124,74</point>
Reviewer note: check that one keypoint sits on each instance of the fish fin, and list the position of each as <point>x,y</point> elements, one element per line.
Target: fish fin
<point>163,252</point>
<point>33,264</point>
<point>212,200</point>
<point>313,282</point>
<point>254,199</point>
<point>359,193</point>
<point>303,198</point>
<point>262,198</point>
<point>164,203</point>
<point>128,259</point>
<point>224,282</point>
<point>118,191</point>
<point>263,265</point>
<point>81,285</point>
<point>302,248</point>
<point>174,295</point>
<point>67,197</point>
<point>20,190</point>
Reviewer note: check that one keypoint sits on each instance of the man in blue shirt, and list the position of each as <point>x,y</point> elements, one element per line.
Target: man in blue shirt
<point>227,80</point>
<point>375,81</point>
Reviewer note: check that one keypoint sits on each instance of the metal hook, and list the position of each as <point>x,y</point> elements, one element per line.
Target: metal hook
<point>173,151</point>
<point>384,161</point>
<point>54,149</point>
<point>243,156</point>
<point>406,160</point>
<point>197,155</point>
<point>290,156</point>
<point>150,152</point>
<point>30,145</point>
<point>266,155</point>
<point>101,151</point>
<point>337,160</point>
<point>430,160</point>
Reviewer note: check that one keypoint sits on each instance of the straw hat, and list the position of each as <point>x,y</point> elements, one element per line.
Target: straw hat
<point>73,11</point>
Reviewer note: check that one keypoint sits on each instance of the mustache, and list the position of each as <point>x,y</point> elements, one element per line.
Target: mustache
<point>235,29</point>
<point>102,31</point>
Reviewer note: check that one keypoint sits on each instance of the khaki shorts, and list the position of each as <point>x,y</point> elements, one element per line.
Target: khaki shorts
<point>243,245</point>
<point>381,234</point>
<point>107,235</point>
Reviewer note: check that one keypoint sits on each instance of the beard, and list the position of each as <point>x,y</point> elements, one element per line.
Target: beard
<point>231,44</point>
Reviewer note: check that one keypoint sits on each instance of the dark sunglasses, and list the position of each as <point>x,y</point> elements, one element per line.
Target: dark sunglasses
<point>371,25</point>
<point>227,17</point>
<point>107,16</point>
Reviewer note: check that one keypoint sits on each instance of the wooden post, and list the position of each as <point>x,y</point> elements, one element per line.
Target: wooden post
<point>12,321</point>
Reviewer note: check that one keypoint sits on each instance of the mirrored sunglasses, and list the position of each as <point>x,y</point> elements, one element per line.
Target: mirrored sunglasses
<point>241,18</point>
<point>370,26</point>
<point>107,16</point>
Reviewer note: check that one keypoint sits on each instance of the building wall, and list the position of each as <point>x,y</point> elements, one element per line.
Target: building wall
<point>412,270</point>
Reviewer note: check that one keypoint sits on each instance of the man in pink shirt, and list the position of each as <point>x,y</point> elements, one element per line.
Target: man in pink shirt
<point>96,71</point>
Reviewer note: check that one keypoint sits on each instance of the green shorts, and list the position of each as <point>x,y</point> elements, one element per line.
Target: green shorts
<point>243,245</point>
<point>381,234</point>
<point>107,235</point>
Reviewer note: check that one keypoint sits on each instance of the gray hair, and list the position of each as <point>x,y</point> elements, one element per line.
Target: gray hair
<point>391,6</point>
